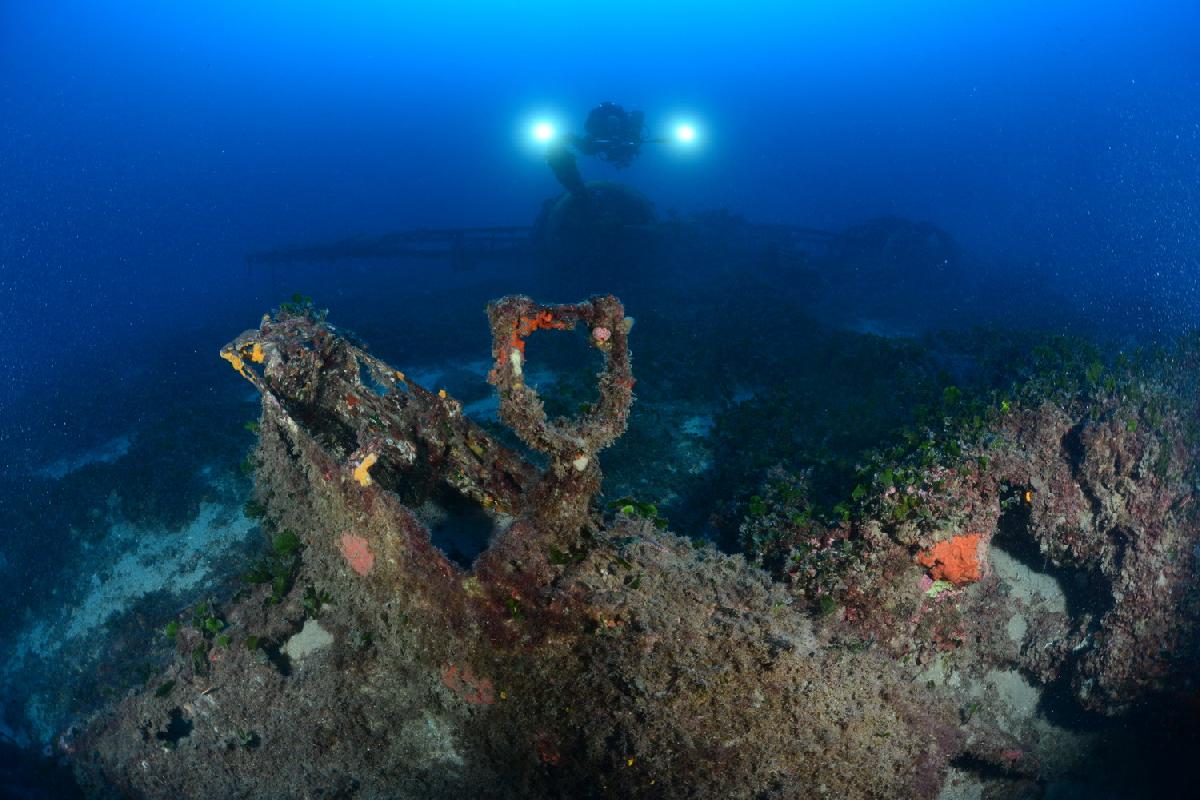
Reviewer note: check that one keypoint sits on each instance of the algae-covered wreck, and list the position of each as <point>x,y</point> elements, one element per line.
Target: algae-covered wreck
<point>584,656</point>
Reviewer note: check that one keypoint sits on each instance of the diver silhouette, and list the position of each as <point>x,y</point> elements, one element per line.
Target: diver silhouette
<point>611,134</point>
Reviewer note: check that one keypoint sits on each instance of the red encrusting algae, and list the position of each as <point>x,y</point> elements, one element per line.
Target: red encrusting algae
<point>474,690</point>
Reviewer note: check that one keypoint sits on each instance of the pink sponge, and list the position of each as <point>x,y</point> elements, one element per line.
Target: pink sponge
<point>357,553</point>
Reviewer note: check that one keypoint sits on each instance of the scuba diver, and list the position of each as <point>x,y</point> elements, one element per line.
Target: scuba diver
<point>598,225</point>
<point>611,134</point>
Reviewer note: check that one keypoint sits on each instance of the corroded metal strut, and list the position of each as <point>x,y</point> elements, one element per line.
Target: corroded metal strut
<point>388,430</point>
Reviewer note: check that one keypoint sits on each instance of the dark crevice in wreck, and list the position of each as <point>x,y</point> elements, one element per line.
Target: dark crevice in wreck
<point>1085,592</point>
<point>458,526</point>
<point>1074,451</point>
<point>1086,595</point>
<point>177,728</point>
<point>985,769</point>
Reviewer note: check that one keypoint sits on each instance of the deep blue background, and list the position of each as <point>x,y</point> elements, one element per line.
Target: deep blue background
<point>146,147</point>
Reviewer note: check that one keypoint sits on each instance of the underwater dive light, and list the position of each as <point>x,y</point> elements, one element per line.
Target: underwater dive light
<point>543,131</point>
<point>685,133</point>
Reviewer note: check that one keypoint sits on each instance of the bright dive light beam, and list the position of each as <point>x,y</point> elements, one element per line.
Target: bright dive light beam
<point>685,133</point>
<point>543,131</point>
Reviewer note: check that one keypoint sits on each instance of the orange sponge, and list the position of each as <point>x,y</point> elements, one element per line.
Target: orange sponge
<point>956,560</point>
<point>527,325</point>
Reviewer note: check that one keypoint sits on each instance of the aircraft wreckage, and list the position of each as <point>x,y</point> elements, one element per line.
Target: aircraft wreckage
<point>590,656</point>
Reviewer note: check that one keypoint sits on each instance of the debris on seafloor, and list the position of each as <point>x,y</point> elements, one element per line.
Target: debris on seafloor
<point>575,658</point>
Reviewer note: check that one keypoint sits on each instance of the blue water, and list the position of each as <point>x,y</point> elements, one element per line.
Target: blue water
<point>146,148</point>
